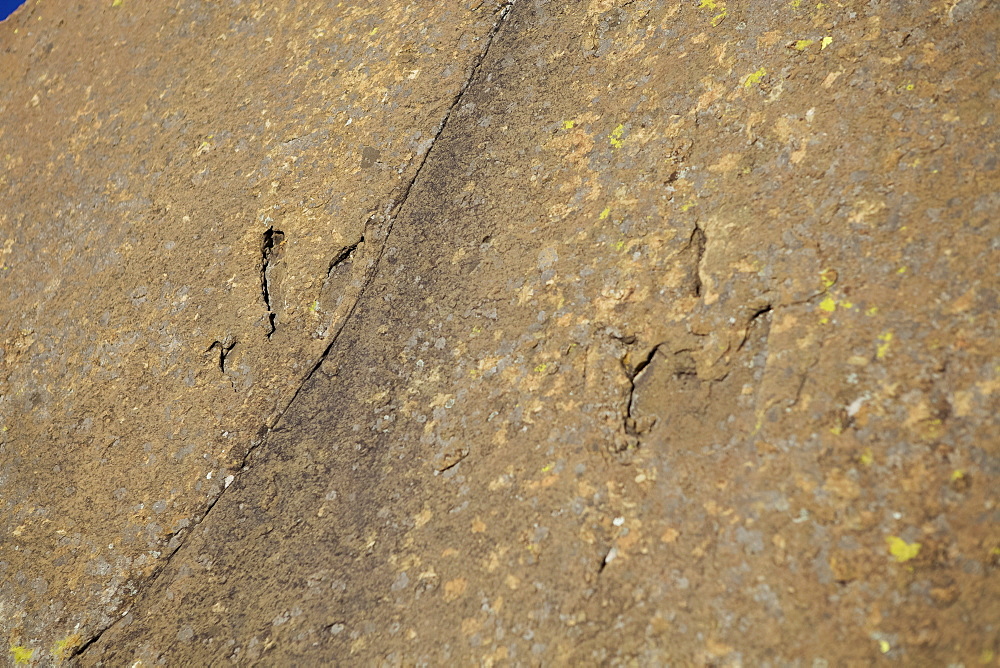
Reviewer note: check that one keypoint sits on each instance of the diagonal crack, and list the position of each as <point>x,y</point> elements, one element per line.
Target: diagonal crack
<point>344,255</point>
<point>388,218</point>
<point>377,230</point>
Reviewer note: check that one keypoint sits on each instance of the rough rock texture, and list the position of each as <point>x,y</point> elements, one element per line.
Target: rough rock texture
<point>533,333</point>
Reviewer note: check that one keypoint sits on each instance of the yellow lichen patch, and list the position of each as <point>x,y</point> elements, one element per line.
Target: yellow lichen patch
<point>885,338</point>
<point>755,78</point>
<point>866,458</point>
<point>828,277</point>
<point>64,648</point>
<point>901,550</point>
<point>825,42</point>
<point>605,213</point>
<point>22,655</point>
<point>717,6</point>
<point>830,304</point>
<point>802,44</point>
<point>568,125</point>
<point>616,136</point>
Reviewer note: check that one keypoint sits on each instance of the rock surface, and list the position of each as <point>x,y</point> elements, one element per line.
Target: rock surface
<point>529,333</point>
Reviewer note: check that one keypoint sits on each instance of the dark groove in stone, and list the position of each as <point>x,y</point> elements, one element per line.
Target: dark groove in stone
<point>272,239</point>
<point>269,243</point>
<point>344,255</point>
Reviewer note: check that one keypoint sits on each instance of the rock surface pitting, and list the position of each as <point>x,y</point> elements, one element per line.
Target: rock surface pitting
<point>520,333</point>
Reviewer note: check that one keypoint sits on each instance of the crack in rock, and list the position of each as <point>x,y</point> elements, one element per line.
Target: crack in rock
<point>345,254</point>
<point>376,231</point>
<point>637,426</point>
<point>697,242</point>
<point>224,347</point>
<point>272,248</point>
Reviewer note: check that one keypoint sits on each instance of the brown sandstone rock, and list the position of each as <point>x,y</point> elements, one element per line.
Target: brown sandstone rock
<point>648,332</point>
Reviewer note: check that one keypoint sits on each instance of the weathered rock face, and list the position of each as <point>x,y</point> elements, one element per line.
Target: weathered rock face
<point>183,238</point>
<point>538,333</point>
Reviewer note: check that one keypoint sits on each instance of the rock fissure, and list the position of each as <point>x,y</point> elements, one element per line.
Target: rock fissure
<point>633,375</point>
<point>632,427</point>
<point>762,311</point>
<point>377,234</point>
<point>177,546</point>
<point>270,250</point>
<point>344,255</point>
<point>224,349</point>
<point>697,243</point>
